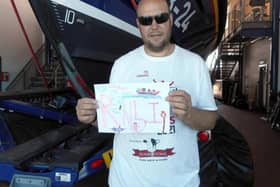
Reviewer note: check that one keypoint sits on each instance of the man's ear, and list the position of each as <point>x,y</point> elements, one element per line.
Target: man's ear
<point>171,18</point>
<point>137,22</point>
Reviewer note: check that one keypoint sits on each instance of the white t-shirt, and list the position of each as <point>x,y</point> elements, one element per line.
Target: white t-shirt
<point>161,160</point>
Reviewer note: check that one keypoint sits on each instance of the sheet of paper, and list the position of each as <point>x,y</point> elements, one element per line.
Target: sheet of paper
<point>133,108</point>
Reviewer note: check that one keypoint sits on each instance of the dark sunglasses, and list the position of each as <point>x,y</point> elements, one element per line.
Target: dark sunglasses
<point>148,20</point>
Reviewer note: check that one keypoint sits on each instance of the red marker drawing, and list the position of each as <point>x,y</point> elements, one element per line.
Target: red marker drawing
<point>163,115</point>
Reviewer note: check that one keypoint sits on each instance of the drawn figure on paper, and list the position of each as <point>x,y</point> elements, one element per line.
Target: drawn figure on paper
<point>106,105</point>
<point>117,129</point>
<point>139,125</point>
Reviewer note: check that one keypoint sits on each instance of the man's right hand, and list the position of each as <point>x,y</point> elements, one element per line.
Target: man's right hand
<point>86,110</point>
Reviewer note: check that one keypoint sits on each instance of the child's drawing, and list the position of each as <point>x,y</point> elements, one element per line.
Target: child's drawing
<point>132,108</point>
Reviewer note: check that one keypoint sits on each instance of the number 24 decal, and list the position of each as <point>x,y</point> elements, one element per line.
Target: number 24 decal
<point>183,20</point>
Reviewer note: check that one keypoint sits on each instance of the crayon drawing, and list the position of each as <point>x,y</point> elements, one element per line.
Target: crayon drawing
<point>132,108</point>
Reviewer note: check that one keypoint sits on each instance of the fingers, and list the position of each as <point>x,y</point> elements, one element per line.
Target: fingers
<point>182,93</point>
<point>86,101</point>
<point>87,119</point>
<point>86,110</point>
<point>180,102</point>
<point>179,106</point>
<point>179,98</point>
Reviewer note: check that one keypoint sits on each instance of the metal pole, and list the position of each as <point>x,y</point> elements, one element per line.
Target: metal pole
<point>275,47</point>
<point>0,72</point>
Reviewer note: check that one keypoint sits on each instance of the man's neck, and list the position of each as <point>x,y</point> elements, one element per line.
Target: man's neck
<point>165,52</point>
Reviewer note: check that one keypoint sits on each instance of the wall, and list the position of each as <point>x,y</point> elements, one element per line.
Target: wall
<point>254,54</point>
<point>13,47</point>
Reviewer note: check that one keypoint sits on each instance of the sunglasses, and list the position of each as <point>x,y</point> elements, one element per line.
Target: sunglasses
<point>148,20</point>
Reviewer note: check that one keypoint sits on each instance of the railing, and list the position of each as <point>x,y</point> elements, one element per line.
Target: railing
<point>56,75</point>
<point>246,11</point>
<point>23,79</point>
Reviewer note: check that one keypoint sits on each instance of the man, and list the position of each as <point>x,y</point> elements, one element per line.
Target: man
<point>173,158</point>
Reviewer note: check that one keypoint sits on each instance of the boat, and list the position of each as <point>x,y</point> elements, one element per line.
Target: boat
<point>96,32</point>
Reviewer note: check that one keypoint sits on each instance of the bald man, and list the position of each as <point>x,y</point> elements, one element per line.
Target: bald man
<point>158,159</point>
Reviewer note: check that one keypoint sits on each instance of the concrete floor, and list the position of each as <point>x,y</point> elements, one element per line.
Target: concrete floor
<point>263,141</point>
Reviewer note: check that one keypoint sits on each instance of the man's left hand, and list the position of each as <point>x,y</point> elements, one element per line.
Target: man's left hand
<point>181,103</point>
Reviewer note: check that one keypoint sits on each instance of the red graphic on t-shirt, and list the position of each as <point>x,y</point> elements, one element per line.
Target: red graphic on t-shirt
<point>144,74</point>
<point>156,153</point>
<point>147,91</point>
<point>152,150</point>
<point>170,84</point>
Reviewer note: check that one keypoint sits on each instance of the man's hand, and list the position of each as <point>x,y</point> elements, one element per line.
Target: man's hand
<point>181,103</point>
<point>86,110</point>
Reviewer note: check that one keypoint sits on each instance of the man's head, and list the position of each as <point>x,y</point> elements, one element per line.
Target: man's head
<point>155,24</point>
